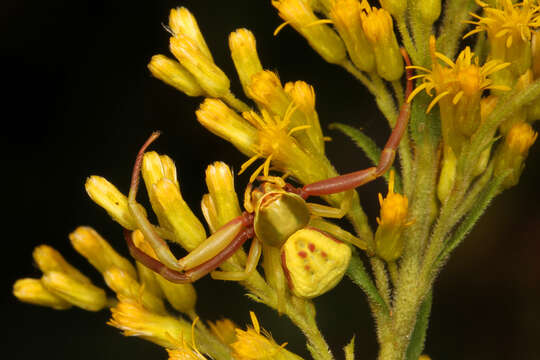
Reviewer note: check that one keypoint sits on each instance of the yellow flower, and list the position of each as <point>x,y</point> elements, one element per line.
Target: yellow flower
<point>252,345</point>
<point>509,27</point>
<point>458,89</point>
<point>394,210</point>
<point>131,317</point>
<point>274,141</point>
<point>32,291</point>
<point>83,295</point>
<point>379,30</point>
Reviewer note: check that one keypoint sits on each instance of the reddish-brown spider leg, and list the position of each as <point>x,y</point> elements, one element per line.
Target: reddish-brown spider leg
<point>195,273</point>
<point>358,178</point>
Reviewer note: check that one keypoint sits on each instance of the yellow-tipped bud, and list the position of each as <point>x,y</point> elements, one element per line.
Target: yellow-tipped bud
<point>220,182</point>
<point>265,88</point>
<point>210,212</point>
<point>208,75</point>
<point>395,7</point>
<point>222,121</point>
<point>48,259</point>
<point>448,173</point>
<point>182,297</point>
<point>123,284</point>
<point>173,73</point>
<point>321,37</point>
<point>394,211</point>
<point>513,152</point>
<point>244,54</point>
<point>171,207</point>
<point>428,10</point>
<point>32,291</point>
<point>156,167</point>
<point>98,251</point>
<point>346,17</point>
<point>131,317</point>
<point>83,295</point>
<point>254,344</point>
<point>303,96</point>
<point>181,21</point>
<point>224,330</point>
<point>106,195</point>
<point>379,30</point>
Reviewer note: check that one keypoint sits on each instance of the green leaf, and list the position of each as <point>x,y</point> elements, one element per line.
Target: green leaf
<point>358,274</point>
<point>368,146</point>
<point>484,199</point>
<point>418,337</point>
<point>349,350</point>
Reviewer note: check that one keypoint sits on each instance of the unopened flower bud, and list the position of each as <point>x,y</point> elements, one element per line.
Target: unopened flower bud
<point>244,54</point>
<point>222,121</point>
<point>448,173</point>
<point>210,77</point>
<point>48,259</point>
<point>321,37</point>
<point>428,10</point>
<point>379,30</point>
<point>32,291</point>
<point>389,244</point>
<point>346,17</point>
<point>83,295</point>
<point>315,262</point>
<point>98,251</point>
<point>173,73</point>
<point>513,151</point>
<point>135,320</point>
<point>181,21</point>
<point>220,182</point>
<point>186,227</point>
<point>106,195</point>
<point>395,7</point>
<point>123,284</point>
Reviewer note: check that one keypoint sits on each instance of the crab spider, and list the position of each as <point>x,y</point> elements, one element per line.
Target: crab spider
<point>277,215</point>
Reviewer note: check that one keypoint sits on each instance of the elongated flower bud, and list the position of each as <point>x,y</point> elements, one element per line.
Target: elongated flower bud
<point>32,291</point>
<point>222,121</point>
<point>85,296</point>
<point>48,259</point>
<point>209,76</point>
<point>182,21</point>
<point>173,73</point>
<point>379,30</point>
<point>98,251</point>
<point>346,17</point>
<point>244,54</point>
<point>321,37</point>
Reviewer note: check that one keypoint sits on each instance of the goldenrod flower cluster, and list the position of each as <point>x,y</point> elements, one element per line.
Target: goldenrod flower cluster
<point>462,136</point>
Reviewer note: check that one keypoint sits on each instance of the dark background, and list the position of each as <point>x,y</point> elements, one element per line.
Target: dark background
<point>78,100</point>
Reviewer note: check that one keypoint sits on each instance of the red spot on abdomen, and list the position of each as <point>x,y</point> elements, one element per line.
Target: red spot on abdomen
<point>302,254</point>
<point>311,247</point>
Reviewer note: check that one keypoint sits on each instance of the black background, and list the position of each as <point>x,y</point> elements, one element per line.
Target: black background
<point>78,100</point>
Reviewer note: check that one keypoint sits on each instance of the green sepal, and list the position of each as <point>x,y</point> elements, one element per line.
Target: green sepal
<point>418,337</point>
<point>358,274</point>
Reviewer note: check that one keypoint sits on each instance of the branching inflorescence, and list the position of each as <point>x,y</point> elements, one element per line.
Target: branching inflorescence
<point>462,137</point>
